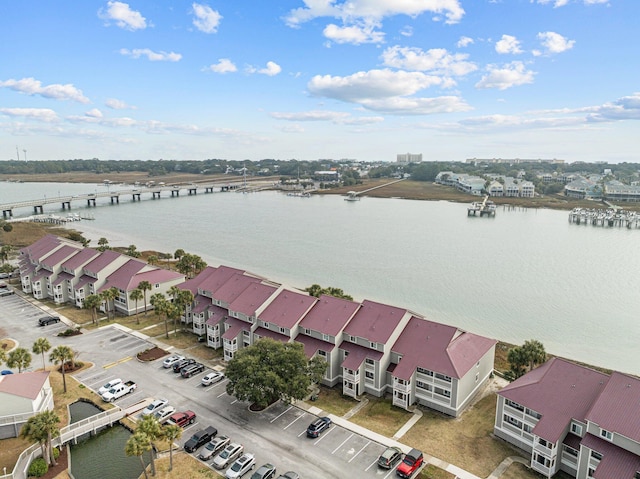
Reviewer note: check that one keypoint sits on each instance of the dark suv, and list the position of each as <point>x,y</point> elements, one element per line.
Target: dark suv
<point>318,426</point>
<point>181,364</point>
<point>47,320</point>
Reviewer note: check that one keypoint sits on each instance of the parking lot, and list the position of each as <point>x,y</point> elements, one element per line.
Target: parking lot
<point>276,435</point>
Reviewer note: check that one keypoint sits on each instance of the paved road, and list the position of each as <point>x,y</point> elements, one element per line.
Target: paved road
<point>276,435</point>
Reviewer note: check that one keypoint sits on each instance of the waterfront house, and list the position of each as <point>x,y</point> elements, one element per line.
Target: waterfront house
<point>320,332</point>
<point>439,366</point>
<point>365,349</point>
<point>281,317</point>
<point>63,286</point>
<point>22,396</point>
<point>575,419</point>
<point>94,274</point>
<point>49,268</point>
<point>495,188</point>
<point>127,278</point>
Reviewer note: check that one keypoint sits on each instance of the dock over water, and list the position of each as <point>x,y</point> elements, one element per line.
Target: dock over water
<point>609,217</point>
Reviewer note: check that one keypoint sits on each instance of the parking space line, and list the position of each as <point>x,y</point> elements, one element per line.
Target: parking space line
<point>220,395</point>
<point>389,473</point>
<point>287,427</point>
<point>334,451</point>
<point>234,401</point>
<point>115,363</point>
<point>325,435</point>
<point>282,413</point>
<point>371,465</point>
<point>363,448</point>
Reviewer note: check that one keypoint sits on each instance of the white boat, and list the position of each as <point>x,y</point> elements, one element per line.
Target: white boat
<point>352,196</point>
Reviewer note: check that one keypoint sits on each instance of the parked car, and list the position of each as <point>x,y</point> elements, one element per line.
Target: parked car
<point>228,455</point>
<point>212,378</point>
<point>181,364</point>
<point>191,370</point>
<point>119,390</point>
<point>171,360</point>
<point>154,406</point>
<point>200,438</point>
<point>47,320</point>
<point>266,471</point>
<point>289,475</point>
<point>318,426</point>
<point>182,419</point>
<point>410,464</point>
<point>243,464</point>
<point>390,457</point>
<point>109,385</point>
<point>164,414</point>
<point>213,447</point>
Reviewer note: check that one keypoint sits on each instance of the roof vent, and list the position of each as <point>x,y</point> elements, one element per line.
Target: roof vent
<point>628,385</point>
<point>573,386</point>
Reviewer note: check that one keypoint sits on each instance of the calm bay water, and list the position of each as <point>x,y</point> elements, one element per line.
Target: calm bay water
<point>525,274</point>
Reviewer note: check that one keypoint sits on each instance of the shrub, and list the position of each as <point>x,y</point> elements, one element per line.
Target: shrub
<point>38,467</point>
<point>56,453</point>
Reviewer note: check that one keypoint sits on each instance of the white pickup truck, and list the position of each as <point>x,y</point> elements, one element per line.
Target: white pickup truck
<point>118,391</point>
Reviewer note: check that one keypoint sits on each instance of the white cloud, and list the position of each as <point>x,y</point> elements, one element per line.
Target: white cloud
<point>271,69</point>
<point>118,104</point>
<point>123,16</point>
<point>562,3</point>
<point>554,42</point>
<point>625,108</point>
<point>313,115</point>
<point>40,114</point>
<point>417,106</point>
<point>406,31</point>
<point>224,65</point>
<point>435,60</point>
<point>206,19</point>
<point>354,10</point>
<point>464,42</point>
<point>31,86</point>
<point>94,113</point>
<point>151,55</point>
<point>507,76</point>
<point>354,34</point>
<point>508,44</point>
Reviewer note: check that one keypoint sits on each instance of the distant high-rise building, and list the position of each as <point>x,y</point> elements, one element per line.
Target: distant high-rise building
<point>409,158</point>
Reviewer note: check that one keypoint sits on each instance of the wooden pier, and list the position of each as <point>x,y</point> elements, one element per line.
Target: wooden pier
<point>610,217</point>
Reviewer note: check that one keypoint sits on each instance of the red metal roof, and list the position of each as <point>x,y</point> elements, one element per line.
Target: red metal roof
<point>439,348</point>
<point>235,326</point>
<point>287,308</point>
<point>216,279</point>
<point>267,333</point>
<point>201,303</point>
<point>330,315</point>
<point>375,322</point>
<point>253,297</point>
<point>313,345</point>
<point>616,462</point>
<point>193,284</point>
<point>121,277</point>
<point>357,355</point>
<point>232,288</point>
<point>60,255</point>
<point>62,277</point>
<point>28,385</point>
<point>78,260</point>
<point>102,261</point>
<point>156,275</point>
<point>217,315</point>
<point>560,391</point>
<point>617,409</point>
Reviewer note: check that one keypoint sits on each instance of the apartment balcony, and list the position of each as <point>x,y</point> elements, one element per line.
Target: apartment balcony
<point>400,401</point>
<point>404,388</point>
<point>351,377</point>
<point>547,451</point>
<point>541,468</point>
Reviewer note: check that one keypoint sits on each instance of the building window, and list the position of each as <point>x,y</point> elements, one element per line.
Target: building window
<point>591,472</point>
<point>425,372</point>
<point>306,331</point>
<point>373,345</point>
<point>596,455</point>
<point>325,337</point>
<point>444,377</point>
<point>514,405</point>
<point>352,339</point>
<point>369,361</point>
<point>425,386</point>
<point>443,392</point>
<point>322,353</point>
<point>477,376</point>
<point>571,451</point>
<point>532,413</point>
<point>369,375</point>
<point>576,429</point>
<point>527,428</point>
<point>513,421</point>
<point>265,324</point>
<point>606,434</point>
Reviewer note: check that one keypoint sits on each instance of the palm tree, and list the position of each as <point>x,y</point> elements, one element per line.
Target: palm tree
<point>159,303</point>
<point>150,427</point>
<point>109,296</point>
<point>152,259</point>
<point>61,355</point>
<point>136,295</point>
<point>185,300</point>
<point>132,251</point>
<point>41,346</point>
<point>137,445</point>
<point>172,312</point>
<point>92,302</point>
<point>144,286</point>
<point>19,358</point>
<point>3,356</point>
<point>534,352</point>
<point>171,433</point>
<point>179,253</point>
<point>103,244</point>
<point>42,428</point>
<point>4,252</point>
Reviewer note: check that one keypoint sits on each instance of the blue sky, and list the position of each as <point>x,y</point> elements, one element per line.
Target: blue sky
<point>312,79</point>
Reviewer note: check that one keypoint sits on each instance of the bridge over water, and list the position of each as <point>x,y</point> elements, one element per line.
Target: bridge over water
<point>136,194</point>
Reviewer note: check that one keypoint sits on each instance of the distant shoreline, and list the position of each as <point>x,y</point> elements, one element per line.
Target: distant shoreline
<point>408,189</point>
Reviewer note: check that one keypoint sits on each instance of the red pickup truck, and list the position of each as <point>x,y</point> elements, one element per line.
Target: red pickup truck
<point>182,419</point>
<point>410,464</point>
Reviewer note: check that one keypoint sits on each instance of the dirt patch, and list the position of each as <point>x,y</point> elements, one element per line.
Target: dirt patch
<point>151,354</point>
<point>62,464</point>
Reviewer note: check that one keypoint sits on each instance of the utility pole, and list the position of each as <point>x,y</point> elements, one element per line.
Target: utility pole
<point>17,153</point>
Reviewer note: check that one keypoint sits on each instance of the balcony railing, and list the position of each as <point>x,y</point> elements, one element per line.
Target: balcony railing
<point>398,386</point>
